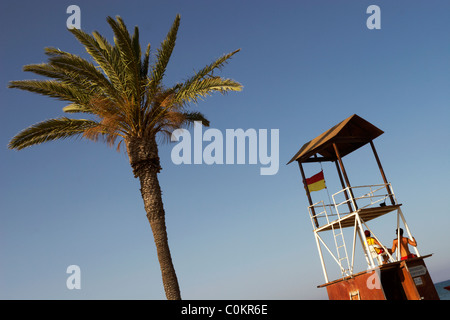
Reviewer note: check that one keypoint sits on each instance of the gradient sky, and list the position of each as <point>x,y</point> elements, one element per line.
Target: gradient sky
<point>233,234</point>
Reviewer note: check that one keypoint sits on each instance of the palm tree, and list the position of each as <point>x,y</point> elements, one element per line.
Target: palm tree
<point>122,93</point>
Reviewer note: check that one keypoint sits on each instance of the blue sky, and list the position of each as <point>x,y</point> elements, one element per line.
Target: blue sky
<point>233,233</point>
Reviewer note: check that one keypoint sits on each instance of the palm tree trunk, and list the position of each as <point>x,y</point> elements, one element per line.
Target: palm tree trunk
<point>143,154</point>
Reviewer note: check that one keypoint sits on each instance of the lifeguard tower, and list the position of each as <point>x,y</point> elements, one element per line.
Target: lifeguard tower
<point>352,208</point>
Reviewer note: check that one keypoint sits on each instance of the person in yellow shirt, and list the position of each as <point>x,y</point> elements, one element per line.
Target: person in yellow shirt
<point>376,246</point>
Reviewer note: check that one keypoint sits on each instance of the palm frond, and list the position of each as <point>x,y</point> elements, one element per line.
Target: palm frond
<point>52,88</point>
<point>209,69</point>
<point>196,90</point>
<point>44,69</point>
<point>76,108</point>
<point>102,42</point>
<point>181,95</point>
<point>70,64</point>
<point>70,78</point>
<point>191,117</point>
<point>145,62</point>
<point>162,58</point>
<point>136,45</point>
<point>53,129</point>
<point>127,48</point>
<point>106,57</point>
<point>174,120</point>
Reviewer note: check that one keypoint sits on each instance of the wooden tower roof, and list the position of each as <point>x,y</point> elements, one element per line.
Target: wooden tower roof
<point>350,134</point>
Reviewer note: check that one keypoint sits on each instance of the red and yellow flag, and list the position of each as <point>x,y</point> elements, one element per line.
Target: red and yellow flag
<point>316,182</point>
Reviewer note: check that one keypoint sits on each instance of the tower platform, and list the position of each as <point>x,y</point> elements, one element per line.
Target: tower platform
<point>366,214</point>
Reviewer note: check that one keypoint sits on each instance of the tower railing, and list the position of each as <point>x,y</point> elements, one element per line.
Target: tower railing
<point>320,211</point>
<point>363,196</point>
